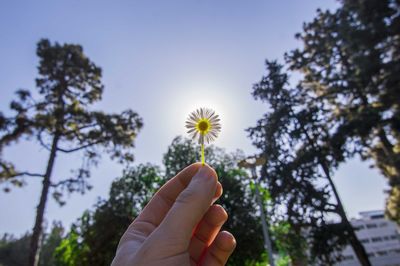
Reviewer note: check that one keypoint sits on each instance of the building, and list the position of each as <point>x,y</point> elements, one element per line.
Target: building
<point>380,237</point>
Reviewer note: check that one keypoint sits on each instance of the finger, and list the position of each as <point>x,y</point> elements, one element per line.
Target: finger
<point>218,192</point>
<point>165,197</point>
<point>190,206</point>
<point>155,211</point>
<point>206,231</point>
<point>220,250</point>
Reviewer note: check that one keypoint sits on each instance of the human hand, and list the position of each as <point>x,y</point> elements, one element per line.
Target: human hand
<point>179,226</point>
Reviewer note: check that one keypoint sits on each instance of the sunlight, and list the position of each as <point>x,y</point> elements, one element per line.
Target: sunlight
<point>209,96</point>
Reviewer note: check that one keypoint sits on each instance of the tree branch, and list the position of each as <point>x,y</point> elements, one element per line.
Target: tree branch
<point>44,145</point>
<point>79,148</point>
<point>63,182</point>
<point>27,174</point>
<point>80,128</point>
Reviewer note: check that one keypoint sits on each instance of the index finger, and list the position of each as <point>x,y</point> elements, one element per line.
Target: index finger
<point>155,211</point>
<point>157,208</point>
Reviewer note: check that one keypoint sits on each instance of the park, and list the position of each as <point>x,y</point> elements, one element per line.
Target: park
<point>200,133</point>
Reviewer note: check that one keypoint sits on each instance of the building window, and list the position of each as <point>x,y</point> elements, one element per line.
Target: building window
<point>394,237</point>
<point>376,239</point>
<point>382,253</point>
<point>365,240</point>
<point>348,257</point>
<point>384,224</point>
<point>394,251</point>
<point>371,254</point>
<point>377,216</point>
<point>359,227</point>
<point>369,226</point>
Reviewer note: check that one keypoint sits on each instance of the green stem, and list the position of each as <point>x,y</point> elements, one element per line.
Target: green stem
<point>202,154</point>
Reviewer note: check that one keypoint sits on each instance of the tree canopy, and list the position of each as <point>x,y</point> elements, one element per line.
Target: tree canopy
<point>60,118</point>
<point>237,199</point>
<point>92,241</point>
<point>94,238</point>
<point>298,169</point>
<point>345,103</point>
<point>15,251</point>
<point>350,62</point>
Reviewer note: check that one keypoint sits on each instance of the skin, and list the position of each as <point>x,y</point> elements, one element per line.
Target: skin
<point>180,225</point>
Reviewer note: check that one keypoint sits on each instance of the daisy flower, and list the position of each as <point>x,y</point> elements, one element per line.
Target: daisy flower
<point>203,125</point>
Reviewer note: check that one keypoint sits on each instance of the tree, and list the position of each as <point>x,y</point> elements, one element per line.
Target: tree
<point>61,120</point>
<point>52,241</point>
<point>14,252</point>
<point>299,166</point>
<point>289,243</point>
<point>237,199</point>
<point>92,241</point>
<point>351,60</point>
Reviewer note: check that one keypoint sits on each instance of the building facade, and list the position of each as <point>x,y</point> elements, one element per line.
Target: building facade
<point>379,236</point>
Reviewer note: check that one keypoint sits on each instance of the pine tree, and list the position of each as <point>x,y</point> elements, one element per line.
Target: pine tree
<point>351,60</point>
<point>61,120</point>
<point>292,136</point>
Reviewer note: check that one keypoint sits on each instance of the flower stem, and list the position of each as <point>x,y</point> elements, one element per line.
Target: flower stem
<point>202,154</point>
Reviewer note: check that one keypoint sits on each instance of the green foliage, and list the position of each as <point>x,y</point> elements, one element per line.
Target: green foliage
<point>292,136</point>
<point>181,154</point>
<point>69,251</point>
<point>291,245</point>
<point>264,193</point>
<point>52,241</point>
<point>14,252</point>
<point>237,199</point>
<point>60,118</point>
<point>243,221</point>
<point>345,104</point>
<point>93,239</point>
<point>292,168</point>
<point>283,261</point>
<point>351,61</point>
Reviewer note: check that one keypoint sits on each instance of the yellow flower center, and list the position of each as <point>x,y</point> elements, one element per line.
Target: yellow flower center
<point>203,126</point>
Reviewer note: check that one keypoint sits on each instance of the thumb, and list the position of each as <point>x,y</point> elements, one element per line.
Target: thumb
<point>190,206</point>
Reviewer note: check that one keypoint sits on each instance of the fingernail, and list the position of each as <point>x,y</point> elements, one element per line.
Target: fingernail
<point>203,174</point>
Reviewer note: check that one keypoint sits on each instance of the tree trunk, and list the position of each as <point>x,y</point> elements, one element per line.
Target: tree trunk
<point>296,258</point>
<point>37,229</point>
<point>358,248</point>
<point>391,156</point>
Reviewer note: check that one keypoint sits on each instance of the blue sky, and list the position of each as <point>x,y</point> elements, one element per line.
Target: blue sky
<point>162,59</point>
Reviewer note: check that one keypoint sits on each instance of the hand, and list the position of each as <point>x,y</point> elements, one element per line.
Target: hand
<point>179,226</point>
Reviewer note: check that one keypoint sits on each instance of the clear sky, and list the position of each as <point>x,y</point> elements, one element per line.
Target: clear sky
<point>162,59</point>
